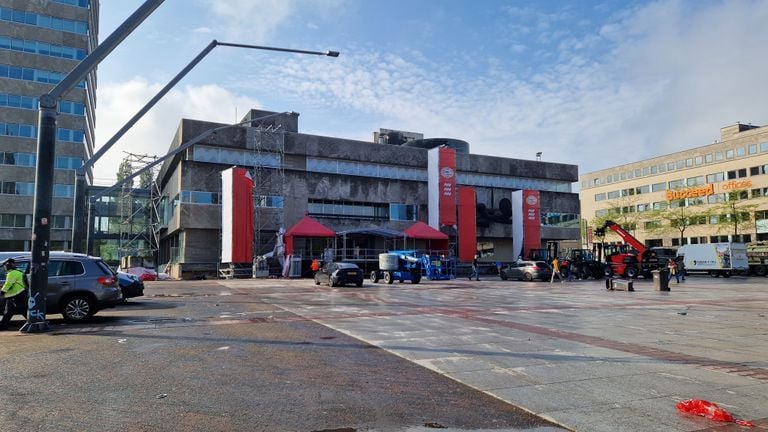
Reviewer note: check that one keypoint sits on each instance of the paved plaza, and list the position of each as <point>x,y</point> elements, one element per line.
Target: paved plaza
<point>576,354</point>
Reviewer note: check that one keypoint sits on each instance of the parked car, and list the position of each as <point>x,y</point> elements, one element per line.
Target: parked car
<point>130,284</point>
<point>527,270</point>
<point>78,285</point>
<point>339,273</point>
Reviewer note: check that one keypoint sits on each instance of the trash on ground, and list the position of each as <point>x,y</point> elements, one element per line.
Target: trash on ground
<point>709,410</point>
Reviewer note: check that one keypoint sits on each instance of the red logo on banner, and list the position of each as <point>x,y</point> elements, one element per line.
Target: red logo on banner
<point>447,167</point>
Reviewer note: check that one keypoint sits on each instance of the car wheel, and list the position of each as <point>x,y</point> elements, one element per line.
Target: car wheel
<point>631,272</point>
<point>608,271</point>
<point>503,276</point>
<point>375,276</point>
<point>331,282</point>
<point>528,277</point>
<point>77,308</point>
<point>726,274</point>
<point>415,278</point>
<point>713,274</point>
<point>317,281</point>
<point>388,278</point>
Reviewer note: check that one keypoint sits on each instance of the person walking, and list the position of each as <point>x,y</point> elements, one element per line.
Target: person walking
<point>672,266</point>
<point>556,271</point>
<point>13,293</point>
<point>315,265</point>
<point>475,270</point>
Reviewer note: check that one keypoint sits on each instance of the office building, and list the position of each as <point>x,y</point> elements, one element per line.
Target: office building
<point>40,42</point>
<point>713,193</point>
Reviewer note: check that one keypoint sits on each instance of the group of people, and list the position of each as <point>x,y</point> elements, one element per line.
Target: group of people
<point>13,294</point>
<point>676,270</point>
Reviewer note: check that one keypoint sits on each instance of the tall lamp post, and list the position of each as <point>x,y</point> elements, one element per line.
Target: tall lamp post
<point>79,207</point>
<point>46,143</point>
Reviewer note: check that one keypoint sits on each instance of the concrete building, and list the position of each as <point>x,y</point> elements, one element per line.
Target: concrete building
<point>700,185</point>
<point>40,42</point>
<point>347,185</point>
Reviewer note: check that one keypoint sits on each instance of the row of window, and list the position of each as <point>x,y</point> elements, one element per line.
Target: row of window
<point>691,162</point>
<point>30,159</point>
<point>29,131</point>
<point>31,103</point>
<point>28,189</point>
<point>361,210</point>
<point>25,245</point>
<point>365,169</point>
<point>563,220</point>
<point>46,21</point>
<point>687,202</point>
<point>742,238</point>
<point>34,75</point>
<point>682,183</point>
<point>78,3</point>
<point>41,48</point>
<point>11,220</point>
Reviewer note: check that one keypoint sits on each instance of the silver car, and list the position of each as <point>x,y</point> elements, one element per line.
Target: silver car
<point>78,285</point>
<point>526,270</point>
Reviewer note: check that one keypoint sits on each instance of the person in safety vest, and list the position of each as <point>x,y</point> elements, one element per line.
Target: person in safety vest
<point>315,265</point>
<point>13,294</point>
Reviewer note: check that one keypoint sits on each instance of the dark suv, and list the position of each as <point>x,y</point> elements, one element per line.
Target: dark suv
<point>78,285</point>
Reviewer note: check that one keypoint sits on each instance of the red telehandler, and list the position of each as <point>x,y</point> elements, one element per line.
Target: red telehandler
<point>629,259</point>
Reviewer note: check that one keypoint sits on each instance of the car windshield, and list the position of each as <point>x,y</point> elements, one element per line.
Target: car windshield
<point>541,264</point>
<point>348,266</point>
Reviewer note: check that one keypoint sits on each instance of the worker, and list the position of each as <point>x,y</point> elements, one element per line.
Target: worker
<point>556,271</point>
<point>475,270</point>
<point>13,293</point>
<point>315,265</point>
<point>672,266</point>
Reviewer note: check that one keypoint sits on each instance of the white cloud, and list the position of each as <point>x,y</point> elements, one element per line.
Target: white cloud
<point>152,135</point>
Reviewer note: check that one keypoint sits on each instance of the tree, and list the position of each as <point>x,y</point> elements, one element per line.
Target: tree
<point>623,211</point>
<point>145,179</point>
<point>676,217</point>
<point>735,214</point>
<point>123,171</point>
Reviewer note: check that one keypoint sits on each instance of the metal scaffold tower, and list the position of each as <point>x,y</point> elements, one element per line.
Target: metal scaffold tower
<point>138,209</point>
<point>268,145</point>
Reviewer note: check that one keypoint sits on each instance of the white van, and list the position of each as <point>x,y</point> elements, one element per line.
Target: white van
<point>717,259</point>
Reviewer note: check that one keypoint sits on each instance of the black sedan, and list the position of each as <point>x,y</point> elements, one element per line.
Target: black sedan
<point>339,273</point>
<point>131,285</point>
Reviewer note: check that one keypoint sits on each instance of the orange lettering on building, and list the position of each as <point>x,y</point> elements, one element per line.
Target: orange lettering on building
<point>691,192</point>
<point>734,185</point>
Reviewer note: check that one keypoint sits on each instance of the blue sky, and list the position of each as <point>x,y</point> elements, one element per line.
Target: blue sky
<point>593,83</point>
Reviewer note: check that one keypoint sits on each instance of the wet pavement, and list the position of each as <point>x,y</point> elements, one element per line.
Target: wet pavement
<point>586,358</point>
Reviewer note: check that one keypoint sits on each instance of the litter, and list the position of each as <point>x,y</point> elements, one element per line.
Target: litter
<point>709,410</point>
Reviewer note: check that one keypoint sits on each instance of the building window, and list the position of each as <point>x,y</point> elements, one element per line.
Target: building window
<point>78,3</point>
<point>600,197</point>
<point>39,20</point>
<point>657,187</point>
<point>614,194</point>
<point>764,147</point>
<point>8,220</point>
<point>758,170</point>
<point>716,198</point>
<point>17,188</point>
<point>660,205</point>
<point>716,177</point>
<point>643,208</point>
<point>642,189</point>
<point>645,171</point>
<point>695,181</point>
<point>752,149</point>
<point>402,212</point>
<point>347,209</point>
<point>199,197</point>
<point>662,168</point>
<point>35,75</point>
<point>676,184</point>
<point>729,154</point>
<point>740,173</point>
<point>67,163</point>
<point>654,169</point>
<point>708,158</point>
<point>601,212</point>
<point>268,201</point>
<point>61,222</point>
<point>41,48</point>
<point>688,162</point>
<point>740,152</point>
<point>699,160</point>
<point>670,166</point>
<point>63,190</point>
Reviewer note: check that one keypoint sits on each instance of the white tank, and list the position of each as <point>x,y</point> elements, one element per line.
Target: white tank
<point>388,261</point>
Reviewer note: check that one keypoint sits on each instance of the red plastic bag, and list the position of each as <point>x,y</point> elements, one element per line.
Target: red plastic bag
<point>709,410</point>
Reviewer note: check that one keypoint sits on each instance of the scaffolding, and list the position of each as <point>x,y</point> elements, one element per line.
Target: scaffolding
<point>138,210</point>
<point>267,143</point>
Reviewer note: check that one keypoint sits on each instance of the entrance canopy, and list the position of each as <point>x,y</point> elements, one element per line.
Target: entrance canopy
<point>306,227</point>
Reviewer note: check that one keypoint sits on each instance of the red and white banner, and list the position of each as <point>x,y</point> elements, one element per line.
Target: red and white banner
<point>531,221</point>
<point>467,224</point>
<point>236,216</point>
<point>441,183</point>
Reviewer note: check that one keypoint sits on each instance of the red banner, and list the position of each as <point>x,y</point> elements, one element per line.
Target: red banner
<point>531,221</point>
<point>242,216</point>
<point>467,224</point>
<point>447,175</point>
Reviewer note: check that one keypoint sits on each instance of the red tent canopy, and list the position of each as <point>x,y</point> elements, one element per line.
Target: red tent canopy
<point>422,231</point>
<point>306,227</point>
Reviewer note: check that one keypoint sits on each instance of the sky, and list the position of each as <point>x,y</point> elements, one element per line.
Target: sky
<point>591,83</point>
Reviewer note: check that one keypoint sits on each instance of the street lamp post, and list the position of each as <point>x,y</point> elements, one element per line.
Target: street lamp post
<point>79,208</point>
<point>46,143</point>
